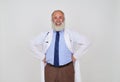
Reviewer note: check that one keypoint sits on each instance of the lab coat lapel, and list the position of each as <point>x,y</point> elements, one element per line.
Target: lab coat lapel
<point>48,39</point>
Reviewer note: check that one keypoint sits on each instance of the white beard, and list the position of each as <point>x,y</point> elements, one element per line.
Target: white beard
<point>58,28</point>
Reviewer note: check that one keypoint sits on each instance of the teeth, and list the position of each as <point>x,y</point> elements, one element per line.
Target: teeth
<point>58,23</point>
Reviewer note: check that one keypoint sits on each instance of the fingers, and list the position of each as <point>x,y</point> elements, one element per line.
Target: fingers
<point>44,60</point>
<point>73,59</point>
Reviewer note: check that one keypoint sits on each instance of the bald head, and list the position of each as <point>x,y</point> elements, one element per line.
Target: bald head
<point>58,11</point>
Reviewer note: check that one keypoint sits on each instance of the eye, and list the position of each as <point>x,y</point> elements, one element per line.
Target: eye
<point>60,17</point>
<point>55,17</point>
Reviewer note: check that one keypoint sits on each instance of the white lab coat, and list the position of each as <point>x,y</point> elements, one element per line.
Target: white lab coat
<point>75,42</point>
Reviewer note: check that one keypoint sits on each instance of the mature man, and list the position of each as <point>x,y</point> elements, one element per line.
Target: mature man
<point>59,51</point>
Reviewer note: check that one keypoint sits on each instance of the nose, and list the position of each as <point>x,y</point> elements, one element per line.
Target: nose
<point>58,20</point>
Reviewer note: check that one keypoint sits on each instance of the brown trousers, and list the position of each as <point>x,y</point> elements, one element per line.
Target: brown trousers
<point>62,74</point>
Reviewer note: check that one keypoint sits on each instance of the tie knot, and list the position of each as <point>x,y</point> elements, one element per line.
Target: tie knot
<point>57,32</point>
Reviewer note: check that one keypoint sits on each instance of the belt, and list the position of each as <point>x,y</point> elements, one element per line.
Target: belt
<point>60,65</point>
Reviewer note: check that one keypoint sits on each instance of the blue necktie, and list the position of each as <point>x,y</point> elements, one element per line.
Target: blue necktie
<point>56,50</point>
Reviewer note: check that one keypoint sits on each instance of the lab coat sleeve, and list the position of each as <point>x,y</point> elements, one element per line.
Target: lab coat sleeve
<point>36,46</point>
<point>81,44</point>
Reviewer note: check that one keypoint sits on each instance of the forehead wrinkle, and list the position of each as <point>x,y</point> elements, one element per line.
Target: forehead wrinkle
<point>57,11</point>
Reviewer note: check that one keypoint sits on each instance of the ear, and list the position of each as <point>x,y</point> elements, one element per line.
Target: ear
<point>52,19</point>
<point>63,19</point>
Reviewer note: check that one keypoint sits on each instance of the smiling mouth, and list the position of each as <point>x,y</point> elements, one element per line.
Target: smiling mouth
<point>58,24</point>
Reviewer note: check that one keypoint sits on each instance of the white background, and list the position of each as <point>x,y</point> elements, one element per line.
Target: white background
<point>22,20</point>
